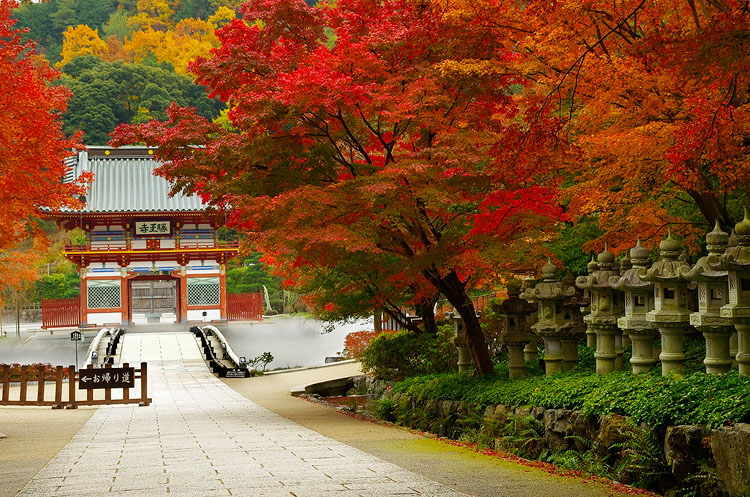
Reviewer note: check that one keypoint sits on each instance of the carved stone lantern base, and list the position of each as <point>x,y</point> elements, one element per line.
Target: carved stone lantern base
<point>743,347</point>
<point>516,362</point>
<point>464,354</point>
<point>606,354</point>
<point>672,356</point>
<point>643,350</point>
<point>718,359</point>
<point>569,353</point>
<point>553,357</point>
<point>530,352</point>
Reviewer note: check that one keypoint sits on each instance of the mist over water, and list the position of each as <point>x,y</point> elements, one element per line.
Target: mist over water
<point>292,340</point>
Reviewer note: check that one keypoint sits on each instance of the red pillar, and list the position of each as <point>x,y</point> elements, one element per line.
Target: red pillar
<point>223,292</point>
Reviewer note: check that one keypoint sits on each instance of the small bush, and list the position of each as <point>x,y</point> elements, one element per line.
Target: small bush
<point>401,354</point>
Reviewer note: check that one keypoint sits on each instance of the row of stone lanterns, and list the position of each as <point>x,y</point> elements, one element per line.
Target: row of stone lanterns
<point>637,301</point>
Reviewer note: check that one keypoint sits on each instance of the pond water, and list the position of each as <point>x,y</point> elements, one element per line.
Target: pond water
<point>292,340</point>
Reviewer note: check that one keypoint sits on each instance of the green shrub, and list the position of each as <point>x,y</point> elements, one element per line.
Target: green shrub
<point>385,410</point>
<point>402,354</point>
<point>696,398</point>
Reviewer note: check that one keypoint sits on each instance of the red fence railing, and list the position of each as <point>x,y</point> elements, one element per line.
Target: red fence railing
<point>61,313</point>
<point>245,307</point>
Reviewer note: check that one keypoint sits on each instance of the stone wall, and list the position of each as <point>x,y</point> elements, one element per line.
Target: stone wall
<point>683,459</point>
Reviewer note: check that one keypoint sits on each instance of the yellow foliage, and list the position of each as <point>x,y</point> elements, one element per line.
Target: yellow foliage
<point>153,14</point>
<point>222,16</point>
<point>81,40</point>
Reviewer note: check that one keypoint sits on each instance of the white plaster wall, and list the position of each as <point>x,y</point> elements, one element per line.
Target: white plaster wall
<point>211,315</point>
<point>214,271</point>
<point>103,318</point>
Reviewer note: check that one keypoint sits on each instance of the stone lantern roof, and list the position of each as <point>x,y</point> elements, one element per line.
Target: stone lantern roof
<point>667,269</point>
<point>737,257</point>
<point>549,288</point>
<point>598,279</point>
<point>629,280</point>
<point>709,267</point>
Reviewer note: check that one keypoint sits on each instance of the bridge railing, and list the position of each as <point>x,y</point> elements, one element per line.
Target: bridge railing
<point>49,383</point>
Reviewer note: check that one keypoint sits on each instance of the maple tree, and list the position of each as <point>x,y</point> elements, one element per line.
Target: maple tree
<point>349,137</point>
<point>655,96</point>
<point>32,149</point>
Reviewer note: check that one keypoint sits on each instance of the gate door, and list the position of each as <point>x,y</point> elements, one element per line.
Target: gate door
<point>154,297</point>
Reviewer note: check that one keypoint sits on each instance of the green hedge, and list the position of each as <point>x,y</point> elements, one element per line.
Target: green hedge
<point>695,398</point>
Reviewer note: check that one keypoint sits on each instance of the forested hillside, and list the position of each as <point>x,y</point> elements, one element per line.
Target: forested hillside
<point>125,61</point>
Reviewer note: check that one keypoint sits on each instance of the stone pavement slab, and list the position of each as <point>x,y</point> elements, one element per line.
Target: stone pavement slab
<point>201,438</point>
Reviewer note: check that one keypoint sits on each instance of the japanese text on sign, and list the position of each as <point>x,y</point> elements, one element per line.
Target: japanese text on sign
<point>152,228</point>
<point>105,378</point>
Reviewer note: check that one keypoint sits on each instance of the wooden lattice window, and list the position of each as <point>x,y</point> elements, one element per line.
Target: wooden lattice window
<point>103,294</point>
<point>203,291</point>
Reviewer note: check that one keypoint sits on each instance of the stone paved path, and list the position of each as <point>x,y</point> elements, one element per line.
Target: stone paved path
<point>201,438</point>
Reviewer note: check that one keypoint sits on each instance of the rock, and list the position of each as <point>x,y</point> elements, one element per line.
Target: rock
<point>685,449</point>
<point>557,427</point>
<point>489,411</point>
<point>582,429</point>
<point>446,408</point>
<point>613,429</point>
<point>731,448</point>
<point>2,435</point>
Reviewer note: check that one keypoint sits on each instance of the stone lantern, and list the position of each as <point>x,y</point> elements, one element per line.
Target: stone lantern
<point>605,307</point>
<point>712,295</point>
<point>549,296</point>
<point>737,262</point>
<point>586,309</point>
<point>460,341</point>
<point>639,301</point>
<point>516,327</point>
<point>573,326</point>
<point>530,352</point>
<point>671,314</point>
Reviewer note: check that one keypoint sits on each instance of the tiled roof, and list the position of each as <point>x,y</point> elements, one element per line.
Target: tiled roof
<point>124,181</point>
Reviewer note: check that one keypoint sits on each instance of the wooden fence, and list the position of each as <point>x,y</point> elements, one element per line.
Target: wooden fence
<point>41,376</point>
<point>245,307</point>
<point>61,313</point>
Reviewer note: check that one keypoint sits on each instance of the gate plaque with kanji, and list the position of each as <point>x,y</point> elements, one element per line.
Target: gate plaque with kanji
<point>92,378</point>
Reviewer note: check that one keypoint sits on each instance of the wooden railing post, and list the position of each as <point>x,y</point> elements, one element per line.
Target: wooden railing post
<point>24,384</point>
<point>59,372</point>
<point>89,393</point>
<point>40,383</point>
<point>107,391</point>
<point>144,385</point>
<point>6,383</point>
<point>72,388</point>
<point>126,390</point>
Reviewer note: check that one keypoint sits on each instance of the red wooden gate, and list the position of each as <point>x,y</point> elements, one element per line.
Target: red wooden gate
<point>245,307</point>
<point>61,313</point>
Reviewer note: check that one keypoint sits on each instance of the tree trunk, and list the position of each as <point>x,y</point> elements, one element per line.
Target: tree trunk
<point>426,309</point>
<point>451,287</point>
<point>378,320</point>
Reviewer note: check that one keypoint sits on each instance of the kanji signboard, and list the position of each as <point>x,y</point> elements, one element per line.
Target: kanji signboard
<point>93,378</point>
<point>152,228</point>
